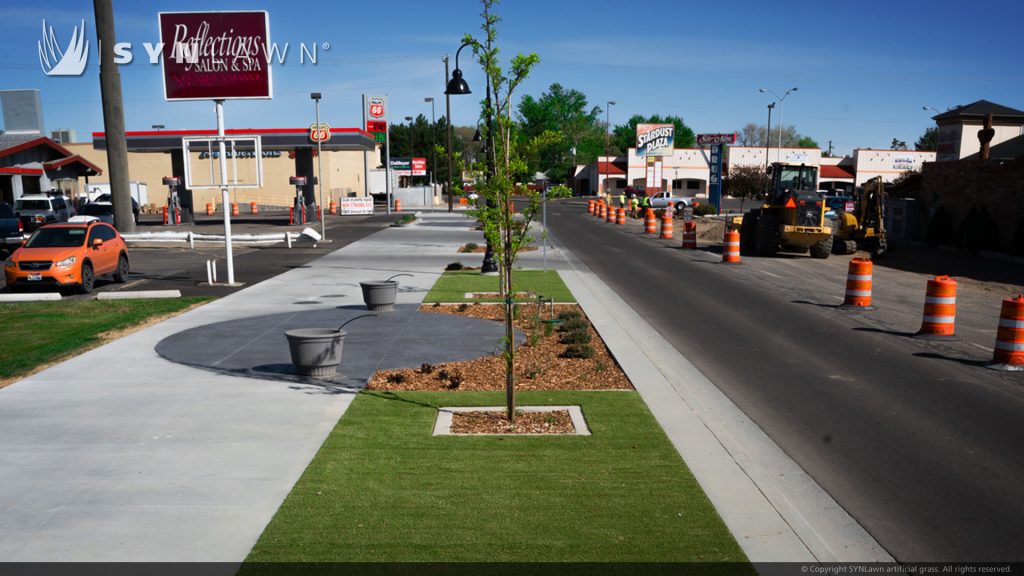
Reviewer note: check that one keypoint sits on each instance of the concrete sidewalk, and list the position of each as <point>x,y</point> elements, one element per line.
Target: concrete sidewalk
<point>122,455</point>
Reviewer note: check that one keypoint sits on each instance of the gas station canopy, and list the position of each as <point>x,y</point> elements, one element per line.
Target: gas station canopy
<point>342,139</point>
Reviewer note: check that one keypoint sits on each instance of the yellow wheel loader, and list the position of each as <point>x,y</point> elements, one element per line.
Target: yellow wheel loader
<point>864,228</point>
<point>792,218</point>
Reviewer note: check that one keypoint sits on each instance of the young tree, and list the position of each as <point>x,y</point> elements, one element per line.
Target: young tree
<point>745,182</point>
<point>929,140</point>
<point>624,136</point>
<point>502,230</point>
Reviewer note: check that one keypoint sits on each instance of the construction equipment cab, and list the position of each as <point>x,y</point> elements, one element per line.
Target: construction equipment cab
<point>792,217</point>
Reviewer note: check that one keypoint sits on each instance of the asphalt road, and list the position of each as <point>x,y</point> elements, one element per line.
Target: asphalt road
<point>174,266</point>
<point>916,440</point>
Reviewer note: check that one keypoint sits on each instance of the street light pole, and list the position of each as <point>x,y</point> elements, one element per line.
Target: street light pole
<point>607,138</point>
<point>412,146</point>
<point>433,143</point>
<point>768,137</point>
<point>780,100</point>
<point>319,167</point>
<point>454,86</point>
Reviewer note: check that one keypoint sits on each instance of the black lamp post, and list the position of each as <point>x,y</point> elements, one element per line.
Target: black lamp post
<point>412,145</point>
<point>458,87</point>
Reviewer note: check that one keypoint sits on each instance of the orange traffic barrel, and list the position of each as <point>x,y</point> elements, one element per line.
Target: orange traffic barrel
<point>398,205</point>
<point>689,235</point>
<point>611,214</point>
<point>731,247</point>
<point>333,208</point>
<point>253,209</point>
<point>165,215</point>
<point>602,211</point>
<point>858,284</point>
<point>590,206</point>
<point>1009,349</point>
<point>650,223</point>
<point>939,320</point>
<point>234,208</point>
<point>209,208</point>
<point>620,216</point>
<point>666,227</point>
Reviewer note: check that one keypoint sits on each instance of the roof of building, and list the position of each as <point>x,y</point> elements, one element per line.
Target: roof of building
<point>835,171</point>
<point>11,144</point>
<point>1006,150</point>
<point>611,168</point>
<point>351,139</point>
<point>979,109</point>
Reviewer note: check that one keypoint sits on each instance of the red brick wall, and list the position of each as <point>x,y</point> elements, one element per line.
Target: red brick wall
<point>959,185</point>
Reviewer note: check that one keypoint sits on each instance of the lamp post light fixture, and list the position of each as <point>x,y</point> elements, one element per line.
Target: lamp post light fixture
<point>412,145</point>
<point>780,100</point>
<point>158,127</point>
<point>455,86</point>
<point>315,96</point>
<point>607,138</point>
<point>433,144</point>
<point>927,108</point>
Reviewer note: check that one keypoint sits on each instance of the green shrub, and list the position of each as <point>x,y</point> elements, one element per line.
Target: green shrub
<point>454,266</point>
<point>573,325</point>
<point>578,351</point>
<point>576,337</point>
<point>569,314</point>
<point>470,246</point>
<point>705,210</point>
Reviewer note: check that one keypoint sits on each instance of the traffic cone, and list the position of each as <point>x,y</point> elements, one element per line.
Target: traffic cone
<point>939,321</point>
<point>165,215</point>
<point>620,216</point>
<point>689,235</point>
<point>253,209</point>
<point>602,211</point>
<point>650,223</point>
<point>731,247</point>
<point>666,227</point>
<point>398,205</point>
<point>332,208</point>
<point>1009,350</point>
<point>590,206</point>
<point>234,208</point>
<point>611,214</point>
<point>209,208</point>
<point>858,285</point>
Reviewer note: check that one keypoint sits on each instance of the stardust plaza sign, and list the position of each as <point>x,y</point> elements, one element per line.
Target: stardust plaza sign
<point>216,55</point>
<point>655,139</point>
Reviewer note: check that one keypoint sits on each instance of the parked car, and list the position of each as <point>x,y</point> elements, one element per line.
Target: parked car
<point>96,211</point>
<point>11,229</point>
<point>68,255</point>
<point>107,199</point>
<point>38,209</point>
<point>663,199</point>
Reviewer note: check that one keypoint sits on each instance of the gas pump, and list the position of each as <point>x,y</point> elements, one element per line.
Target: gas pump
<point>298,215</point>
<point>173,214</point>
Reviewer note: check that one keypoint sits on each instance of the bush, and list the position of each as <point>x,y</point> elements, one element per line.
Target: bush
<point>940,228</point>
<point>454,266</point>
<point>705,210</point>
<point>573,325</point>
<point>569,315</point>
<point>578,351</point>
<point>469,247</point>
<point>575,337</point>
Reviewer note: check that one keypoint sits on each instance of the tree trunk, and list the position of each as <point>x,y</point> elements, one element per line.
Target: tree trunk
<point>510,342</point>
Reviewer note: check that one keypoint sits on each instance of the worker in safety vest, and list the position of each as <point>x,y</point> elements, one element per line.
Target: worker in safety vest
<point>622,200</point>
<point>634,205</point>
<point>645,202</point>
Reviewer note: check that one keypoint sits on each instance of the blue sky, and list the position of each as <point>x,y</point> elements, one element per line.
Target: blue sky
<point>864,69</point>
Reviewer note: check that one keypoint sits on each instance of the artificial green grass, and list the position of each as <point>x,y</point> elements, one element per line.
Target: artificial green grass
<point>452,286</point>
<point>382,489</point>
<point>35,333</point>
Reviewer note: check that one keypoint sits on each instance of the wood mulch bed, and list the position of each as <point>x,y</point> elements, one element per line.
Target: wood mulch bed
<point>539,364</point>
<point>495,422</point>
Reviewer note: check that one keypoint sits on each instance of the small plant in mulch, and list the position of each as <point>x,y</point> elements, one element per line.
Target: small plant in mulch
<point>469,247</point>
<point>600,366</point>
<point>462,307</point>
<point>575,337</point>
<point>442,375</point>
<point>426,368</point>
<point>396,378</point>
<point>533,338</point>
<point>573,325</point>
<point>578,351</point>
<point>455,380</point>
<point>454,266</point>
<point>569,315</point>
<point>549,329</point>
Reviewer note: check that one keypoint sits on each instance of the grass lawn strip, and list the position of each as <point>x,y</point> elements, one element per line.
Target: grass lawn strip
<point>383,489</point>
<point>39,334</point>
<point>453,286</point>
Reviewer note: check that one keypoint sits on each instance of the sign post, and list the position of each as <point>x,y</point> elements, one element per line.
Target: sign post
<point>233,67</point>
<point>375,113</point>
<point>717,142</point>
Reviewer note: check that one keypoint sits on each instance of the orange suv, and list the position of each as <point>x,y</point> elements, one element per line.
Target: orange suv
<point>68,255</point>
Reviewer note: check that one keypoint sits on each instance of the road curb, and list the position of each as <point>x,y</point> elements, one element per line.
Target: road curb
<point>40,297</point>
<point>139,295</point>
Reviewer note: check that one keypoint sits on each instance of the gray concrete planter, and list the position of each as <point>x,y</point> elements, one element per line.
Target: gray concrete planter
<point>316,351</point>
<point>380,295</point>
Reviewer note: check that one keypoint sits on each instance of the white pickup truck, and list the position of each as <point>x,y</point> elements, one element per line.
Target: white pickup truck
<point>663,199</point>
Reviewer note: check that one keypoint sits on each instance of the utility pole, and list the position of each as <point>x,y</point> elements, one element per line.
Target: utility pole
<point>448,135</point>
<point>829,148</point>
<point>113,118</point>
